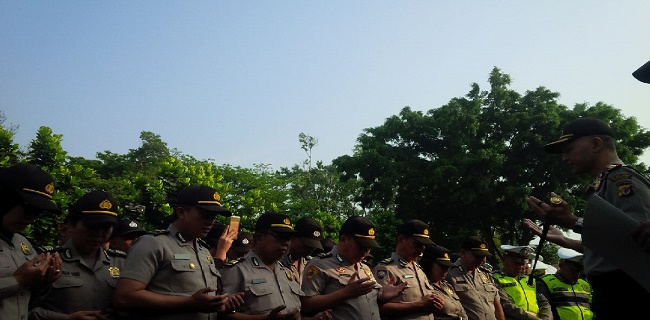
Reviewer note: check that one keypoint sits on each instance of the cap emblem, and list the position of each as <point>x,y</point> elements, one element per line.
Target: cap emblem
<point>245,241</point>
<point>446,256</point>
<point>286,221</point>
<point>133,224</point>
<point>217,197</point>
<point>106,205</point>
<point>316,233</point>
<point>50,188</point>
<point>371,232</point>
<point>483,246</point>
<point>426,232</point>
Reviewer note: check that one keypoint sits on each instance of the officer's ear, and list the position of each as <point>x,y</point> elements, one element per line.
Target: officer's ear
<point>597,143</point>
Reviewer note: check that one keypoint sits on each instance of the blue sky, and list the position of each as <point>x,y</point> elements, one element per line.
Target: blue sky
<point>238,81</point>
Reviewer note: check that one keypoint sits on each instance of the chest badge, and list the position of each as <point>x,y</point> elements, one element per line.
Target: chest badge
<point>288,273</point>
<point>25,248</point>
<point>114,272</point>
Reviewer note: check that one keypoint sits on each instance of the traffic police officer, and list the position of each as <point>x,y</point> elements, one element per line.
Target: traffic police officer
<point>171,274</point>
<point>568,293</point>
<point>339,281</point>
<point>89,272</point>
<point>519,299</point>
<point>476,288</point>
<point>25,192</point>
<point>310,233</point>
<point>418,299</point>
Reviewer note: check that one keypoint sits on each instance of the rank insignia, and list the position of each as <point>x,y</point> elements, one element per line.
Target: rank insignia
<point>288,273</point>
<point>209,257</point>
<point>485,278</point>
<point>340,270</point>
<point>312,271</point>
<point>369,274</point>
<point>450,290</point>
<point>114,272</point>
<point>25,248</point>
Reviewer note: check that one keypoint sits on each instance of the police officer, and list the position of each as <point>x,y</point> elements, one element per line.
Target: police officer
<point>418,300</point>
<point>339,281</point>
<point>25,193</point>
<point>475,286</point>
<point>271,291</point>
<point>520,299</point>
<point>221,240</point>
<point>171,274</point>
<point>588,146</point>
<point>568,293</point>
<point>436,262</point>
<point>89,272</point>
<point>125,232</point>
<point>310,233</point>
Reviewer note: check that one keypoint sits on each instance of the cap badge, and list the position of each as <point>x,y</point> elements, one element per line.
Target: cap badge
<point>446,255</point>
<point>245,241</point>
<point>107,205</point>
<point>216,196</point>
<point>114,272</point>
<point>483,246</point>
<point>316,233</point>
<point>25,248</point>
<point>50,188</point>
<point>133,224</point>
<point>371,232</point>
<point>426,232</point>
<point>286,221</point>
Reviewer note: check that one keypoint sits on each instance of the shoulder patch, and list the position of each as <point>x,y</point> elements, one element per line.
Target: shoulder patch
<point>233,262</point>
<point>115,252</point>
<point>324,255</point>
<point>386,261</point>
<point>159,232</point>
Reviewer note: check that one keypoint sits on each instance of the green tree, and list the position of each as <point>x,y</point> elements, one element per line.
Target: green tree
<point>9,151</point>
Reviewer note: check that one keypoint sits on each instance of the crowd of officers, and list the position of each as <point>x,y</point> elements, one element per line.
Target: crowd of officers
<point>110,268</point>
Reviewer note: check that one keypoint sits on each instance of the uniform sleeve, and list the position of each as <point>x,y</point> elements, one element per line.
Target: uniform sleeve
<point>545,312</point>
<point>143,260</point>
<point>382,274</point>
<point>232,280</point>
<point>44,314</point>
<point>314,280</point>
<point>628,191</point>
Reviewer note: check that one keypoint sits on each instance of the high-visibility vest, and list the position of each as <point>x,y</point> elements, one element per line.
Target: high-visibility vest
<point>571,302</point>
<point>523,295</point>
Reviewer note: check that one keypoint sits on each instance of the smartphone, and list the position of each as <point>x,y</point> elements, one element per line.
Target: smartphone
<point>233,222</point>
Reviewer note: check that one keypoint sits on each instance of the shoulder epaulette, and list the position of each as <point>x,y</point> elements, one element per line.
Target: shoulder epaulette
<point>159,232</point>
<point>611,167</point>
<point>115,252</point>
<point>324,255</point>
<point>386,261</point>
<point>485,269</point>
<point>203,243</point>
<point>233,262</point>
<point>43,249</point>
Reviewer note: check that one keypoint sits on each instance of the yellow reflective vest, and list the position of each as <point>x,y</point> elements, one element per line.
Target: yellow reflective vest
<point>523,295</point>
<point>569,301</point>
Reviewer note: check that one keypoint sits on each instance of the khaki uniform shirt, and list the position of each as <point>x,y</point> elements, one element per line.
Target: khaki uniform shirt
<point>169,264</point>
<point>81,287</point>
<point>287,261</point>
<point>264,289</point>
<point>453,309</point>
<point>14,301</point>
<point>477,291</point>
<point>329,272</point>
<point>417,287</point>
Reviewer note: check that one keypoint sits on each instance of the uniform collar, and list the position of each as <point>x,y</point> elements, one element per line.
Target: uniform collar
<point>180,239</point>
<point>402,262</point>
<point>339,258</point>
<point>255,261</point>
<point>72,254</point>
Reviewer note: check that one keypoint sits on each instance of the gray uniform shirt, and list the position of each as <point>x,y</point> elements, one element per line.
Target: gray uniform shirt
<point>477,291</point>
<point>453,309</point>
<point>14,301</point>
<point>417,286</point>
<point>264,289</point>
<point>81,287</point>
<point>329,272</point>
<point>169,264</point>
<point>287,261</point>
<point>626,190</point>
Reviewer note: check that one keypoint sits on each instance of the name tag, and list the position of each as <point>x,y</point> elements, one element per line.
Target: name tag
<point>256,281</point>
<point>182,256</point>
<point>408,276</point>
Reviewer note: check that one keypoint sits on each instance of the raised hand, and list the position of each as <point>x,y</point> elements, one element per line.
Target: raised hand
<point>553,213</point>
<point>206,303</point>
<point>391,290</point>
<point>32,273</point>
<point>357,287</point>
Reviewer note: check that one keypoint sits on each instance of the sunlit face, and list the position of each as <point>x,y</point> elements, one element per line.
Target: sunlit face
<point>194,222</point>
<point>579,155</point>
<point>19,217</point>
<point>89,238</point>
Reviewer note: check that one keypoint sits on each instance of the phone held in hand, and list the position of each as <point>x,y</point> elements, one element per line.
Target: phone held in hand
<point>233,222</point>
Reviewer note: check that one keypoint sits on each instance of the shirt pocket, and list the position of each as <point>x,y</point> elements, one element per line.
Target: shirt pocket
<point>295,288</point>
<point>262,297</point>
<point>184,278</point>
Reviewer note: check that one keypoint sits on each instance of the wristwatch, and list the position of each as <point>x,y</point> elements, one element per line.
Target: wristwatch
<point>577,227</point>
